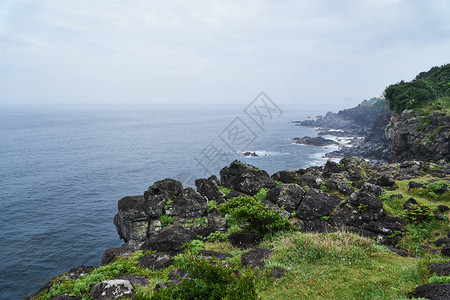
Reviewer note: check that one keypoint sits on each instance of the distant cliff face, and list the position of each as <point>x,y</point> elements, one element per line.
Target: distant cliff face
<point>419,135</point>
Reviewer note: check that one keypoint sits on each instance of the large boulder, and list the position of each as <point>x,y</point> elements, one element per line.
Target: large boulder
<point>371,188</point>
<point>369,207</point>
<point>245,178</point>
<point>435,291</point>
<point>210,189</point>
<point>286,176</point>
<point>316,204</point>
<point>310,180</point>
<point>287,195</point>
<point>188,204</point>
<point>338,182</point>
<point>169,240</point>
<point>171,186</point>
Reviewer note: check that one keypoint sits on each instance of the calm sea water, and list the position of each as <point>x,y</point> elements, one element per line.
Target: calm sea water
<point>62,171</point>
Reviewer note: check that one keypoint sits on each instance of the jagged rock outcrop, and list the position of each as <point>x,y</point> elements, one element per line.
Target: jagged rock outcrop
<point>245,178</point>
<point>419,136</point>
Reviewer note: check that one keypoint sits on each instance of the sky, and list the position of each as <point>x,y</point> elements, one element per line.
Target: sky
<point>141,51</point>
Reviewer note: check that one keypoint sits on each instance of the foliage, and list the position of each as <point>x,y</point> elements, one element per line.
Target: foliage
<point>80,288</point>
<point>323,187</point>
<point>194,246</point>
<point>224,190</point>
<point>260,217</point>
<point>166,220</point>
<point>211,281</point>
<point>419,92</point>
<point>217,236</point>
<point>418,213</point>
<point>261,195</point>
<point>439,279</point>
<point>363,207</point>
<point>277,182</point>
<point>212,204</point>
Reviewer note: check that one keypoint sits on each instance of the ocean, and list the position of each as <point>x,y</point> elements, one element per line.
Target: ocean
<point>64,168</point>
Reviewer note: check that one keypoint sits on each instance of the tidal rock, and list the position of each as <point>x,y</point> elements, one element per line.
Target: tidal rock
<point>245,178</point>
<point>287,195</point>
<point>315,141</point>
<point>316,204</point>
<point>254,257</point>
<point>112,289</point>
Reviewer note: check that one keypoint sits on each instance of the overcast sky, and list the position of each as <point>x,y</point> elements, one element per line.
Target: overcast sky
<point>129,51</point>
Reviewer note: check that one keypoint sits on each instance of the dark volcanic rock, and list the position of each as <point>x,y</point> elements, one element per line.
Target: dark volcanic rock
<point>316,204</point>
<point>411,201</point>
<point>209,189</point>
<point>446,250</point>
<point>111,254</point>
<point>250,154</point>
<point>440,269</point>
<point>337,183</point>
<point>373,189</point>
<point>112,289</point>
<point>135,279</point>
<point>315,141</point>
<point>286,176</point>
<point>254,257</point>
<point>288,195</point>
<point>443,208</point>
<point>169,240</point>
<point>245,178</point>
<point>370,207</point>
<point>310,180</point>
<point>171,186</point>
<point>244,240</point>
<point>437,291</point>
<point>156,261</point>
<point>188,204</point>
<point>414,185</point>
<point>441,241</point>
<point>131,208</point>
<point>76,273</point>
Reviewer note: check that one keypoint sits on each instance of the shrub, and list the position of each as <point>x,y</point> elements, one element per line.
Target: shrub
<point>194,246</point>
<point>224,190</point>
<point>419,213</point>
<point>165,220</point>
<point>212,204</point>
<point>217,236</point>
<point>260,217</point>
<point>210,281</point>
<point>261,195</point>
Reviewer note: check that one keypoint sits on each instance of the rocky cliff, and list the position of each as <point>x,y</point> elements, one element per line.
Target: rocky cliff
<point>421,135</point>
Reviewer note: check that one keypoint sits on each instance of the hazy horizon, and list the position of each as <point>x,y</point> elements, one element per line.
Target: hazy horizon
<point>308,53</point>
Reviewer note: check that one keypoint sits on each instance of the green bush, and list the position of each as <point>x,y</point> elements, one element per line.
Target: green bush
<point>261,195</point>
<point>212,204</point>
<point>217,236</point>
<point>165,220</point>
<point>224,190</point>
<point>210,281</point>
<point>194,246</point>
<point>419,213</point>
<point>260,217</point>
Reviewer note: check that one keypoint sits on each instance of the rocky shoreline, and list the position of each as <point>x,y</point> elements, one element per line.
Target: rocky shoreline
<point>342,196</point>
